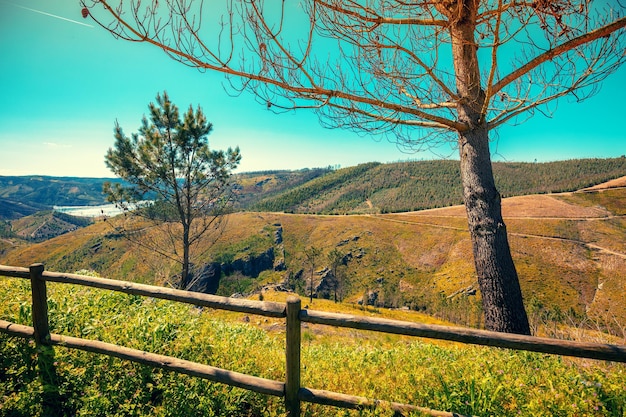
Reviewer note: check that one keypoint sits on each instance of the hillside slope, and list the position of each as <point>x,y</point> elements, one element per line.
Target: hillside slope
<point>365,189</point>
<point>570,251</point>
<point>49,191</point>
<point>10,210</point>
<point>45,225</point>
<point>409,186</point>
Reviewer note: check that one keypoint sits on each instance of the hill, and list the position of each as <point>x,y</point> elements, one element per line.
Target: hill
<point>254,186</point>
<point>466,380</point>
<point>409,186</point>
<point>45,225</point>
<point>10,209</point>
<point>364,189</point>
<point>37,227</point>
<point>23,196</point>
<point>569,248</point>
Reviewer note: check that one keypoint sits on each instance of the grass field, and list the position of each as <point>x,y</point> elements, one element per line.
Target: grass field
<point>443,376</point>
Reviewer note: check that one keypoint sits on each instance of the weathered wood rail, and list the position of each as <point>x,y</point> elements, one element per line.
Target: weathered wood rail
<point>291,389</point>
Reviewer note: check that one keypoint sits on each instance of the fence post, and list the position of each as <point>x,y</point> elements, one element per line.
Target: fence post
<point>51,399</point>
<point>40,304</point>
<point>292,353</point>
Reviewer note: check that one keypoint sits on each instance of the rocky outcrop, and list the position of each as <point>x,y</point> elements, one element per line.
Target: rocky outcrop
<point>251,265</point>
<point>279,261</point>
<point>206,279</point>
<point>278,234</point>
<point>346,241</point>
<point>279,265</point>
<point>370,298</point>
<point>326,284</point>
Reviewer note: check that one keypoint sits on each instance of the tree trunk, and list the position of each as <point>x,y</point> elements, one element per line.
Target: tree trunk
<point>185,272</point>
<point>497,277</point>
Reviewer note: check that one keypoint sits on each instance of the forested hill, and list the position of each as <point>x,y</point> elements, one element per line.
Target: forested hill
<point>407,186</point>
<point>367,188</point>
<point>23,195</point>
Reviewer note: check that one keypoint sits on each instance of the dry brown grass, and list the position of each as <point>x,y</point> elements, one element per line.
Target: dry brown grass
<point>531,206</point>
<point>618,182</point>
<point>424,254</point>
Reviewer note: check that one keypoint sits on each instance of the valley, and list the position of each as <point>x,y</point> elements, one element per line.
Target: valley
<point>569,248</point>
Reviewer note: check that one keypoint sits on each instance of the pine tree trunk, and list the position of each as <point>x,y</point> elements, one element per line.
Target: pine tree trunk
<point>497,277</point>
<point>185,279</point>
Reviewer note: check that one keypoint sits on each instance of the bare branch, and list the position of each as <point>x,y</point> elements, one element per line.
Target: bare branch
<point>375,18</point>
<point>556,51</point>
<point>494,59</point>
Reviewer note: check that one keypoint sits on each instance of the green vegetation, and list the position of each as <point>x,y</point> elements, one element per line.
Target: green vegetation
<point>520,178</point>
<point>366,188</point>
<point>5,229</point>
<point>417,260</point>
<point>253,186</point>
<point>313,193</point>
<point>252,245</point>
<point>444,376</point>
<point>170,157</point>
<point>407,186</point>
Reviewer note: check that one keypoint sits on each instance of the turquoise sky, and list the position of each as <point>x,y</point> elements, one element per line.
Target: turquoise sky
<point>64,83</point>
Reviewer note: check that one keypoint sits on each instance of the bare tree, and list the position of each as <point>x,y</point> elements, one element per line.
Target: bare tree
<point>418,71</point>
<point>312,255</point>
<point>336,259</point>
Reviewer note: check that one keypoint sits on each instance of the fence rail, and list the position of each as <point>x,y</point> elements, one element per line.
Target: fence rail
<point>291,389</point>
<point>249,382</point>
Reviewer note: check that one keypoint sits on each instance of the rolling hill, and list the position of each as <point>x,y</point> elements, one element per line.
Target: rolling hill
<point>409,186</point>
<point>363,189</point>
<point>46,191</point>
<point>569,248</point>
<point>45,225</point>
<point>25,195</point>
<point>10,210</point>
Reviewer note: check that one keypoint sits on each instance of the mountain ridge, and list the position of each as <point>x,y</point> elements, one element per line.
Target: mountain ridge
<point>366,188</point>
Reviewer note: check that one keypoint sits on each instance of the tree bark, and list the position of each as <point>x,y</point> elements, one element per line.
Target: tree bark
<point>186,284</point>
<point>497,277</point>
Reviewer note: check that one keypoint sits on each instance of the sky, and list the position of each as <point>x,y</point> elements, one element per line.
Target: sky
<point>64,82</point>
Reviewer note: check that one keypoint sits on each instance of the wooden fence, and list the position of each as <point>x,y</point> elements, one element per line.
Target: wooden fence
<point>291,389</point>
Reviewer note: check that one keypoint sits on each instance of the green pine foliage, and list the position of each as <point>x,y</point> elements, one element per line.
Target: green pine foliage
<point>522,178</point>
<point>307,196</point>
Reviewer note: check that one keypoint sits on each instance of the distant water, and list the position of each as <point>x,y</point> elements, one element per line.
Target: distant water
<point>89,211</point>
<point>95,211</point>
